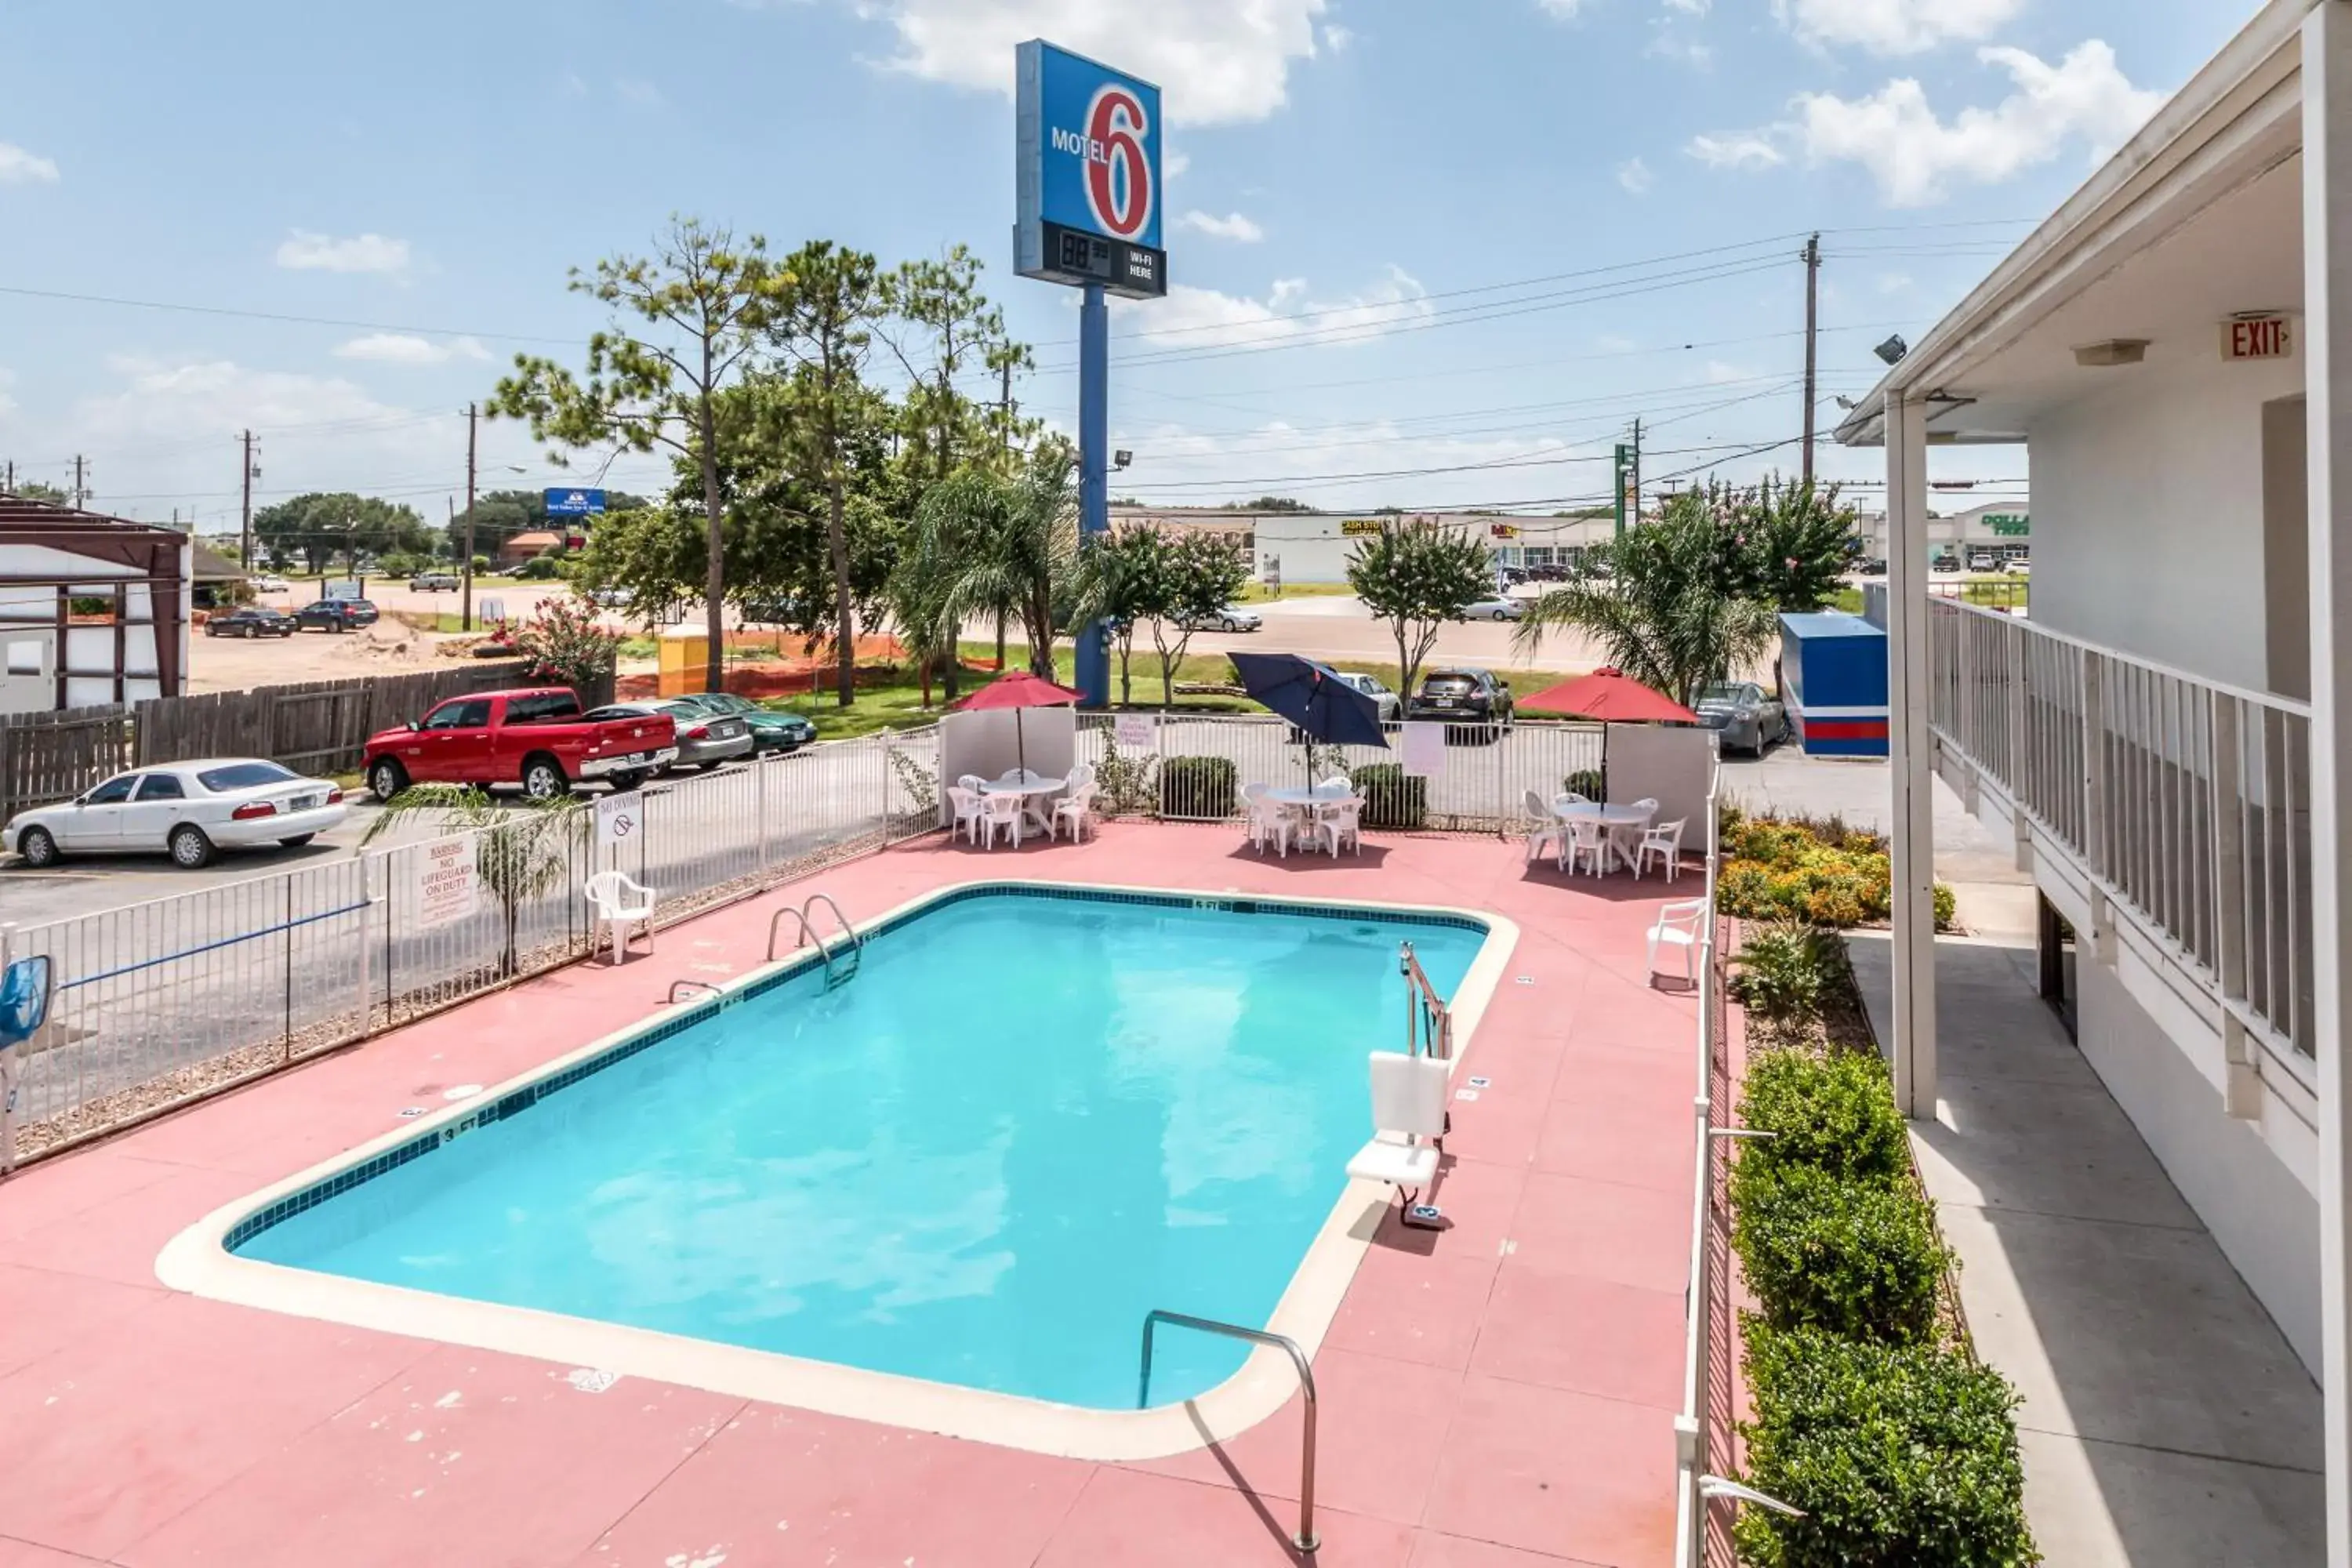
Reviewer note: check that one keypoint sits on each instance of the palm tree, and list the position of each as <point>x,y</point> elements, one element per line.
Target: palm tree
<point>523,850</point>
<point>1007,542</point>
<point>1667,614</point>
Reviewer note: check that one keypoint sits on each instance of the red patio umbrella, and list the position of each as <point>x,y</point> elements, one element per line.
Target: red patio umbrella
<point>1612,697</point>
<point>1020,690</point>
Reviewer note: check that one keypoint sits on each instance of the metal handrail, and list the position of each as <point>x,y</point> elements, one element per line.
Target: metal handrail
<point>1304,1540</point>
<point>807,934</point>
<point>1428,1022</point>
<point>678,985</point>
<point>842,920</point>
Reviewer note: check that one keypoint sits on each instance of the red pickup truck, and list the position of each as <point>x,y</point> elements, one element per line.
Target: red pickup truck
<point>534,736</point>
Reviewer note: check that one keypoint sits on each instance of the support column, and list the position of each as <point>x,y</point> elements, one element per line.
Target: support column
<point>2327,346</point>
<point>1911,819</point>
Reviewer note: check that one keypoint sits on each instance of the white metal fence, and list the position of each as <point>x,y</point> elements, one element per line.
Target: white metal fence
<point>1694,1427</point>
<point>2189,801</point>
<point>157,1003</point>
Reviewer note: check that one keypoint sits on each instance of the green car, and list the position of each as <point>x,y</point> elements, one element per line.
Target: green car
<point>770,730</point>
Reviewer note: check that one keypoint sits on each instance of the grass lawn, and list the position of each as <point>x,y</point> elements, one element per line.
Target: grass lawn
<point>1257,594</point>
<point>889,702</point>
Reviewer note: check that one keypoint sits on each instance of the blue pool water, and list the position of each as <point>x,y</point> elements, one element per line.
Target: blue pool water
<point>1026,1122</point>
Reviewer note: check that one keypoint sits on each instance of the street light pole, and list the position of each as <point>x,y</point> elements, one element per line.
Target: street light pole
<point>465,569</point>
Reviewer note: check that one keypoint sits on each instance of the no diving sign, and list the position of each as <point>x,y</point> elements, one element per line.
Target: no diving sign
<point>620,817</point>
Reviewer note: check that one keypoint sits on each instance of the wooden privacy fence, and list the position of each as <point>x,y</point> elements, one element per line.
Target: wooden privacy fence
<point>316,727</point>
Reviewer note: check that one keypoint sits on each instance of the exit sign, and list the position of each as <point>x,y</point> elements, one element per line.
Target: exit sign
<point>2257,337</point>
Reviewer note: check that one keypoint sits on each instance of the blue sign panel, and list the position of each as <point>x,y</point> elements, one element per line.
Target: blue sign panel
<point>1087,140</point>
<point>575,503</point>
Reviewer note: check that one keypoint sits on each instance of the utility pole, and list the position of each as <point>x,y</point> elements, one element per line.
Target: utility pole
<point>465,570</point>
<point>1005,407</point>
<point>1812,335</point>
<point>244,528</point>
<point>1637,473</point>
<point>82,478</point>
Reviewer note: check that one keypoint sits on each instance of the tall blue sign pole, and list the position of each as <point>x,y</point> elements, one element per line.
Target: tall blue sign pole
<point>1086,143</point>
<point>1094,475</point>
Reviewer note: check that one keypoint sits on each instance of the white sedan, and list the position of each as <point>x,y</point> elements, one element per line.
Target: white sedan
<point>187,810</point>
<point>1499,608</point>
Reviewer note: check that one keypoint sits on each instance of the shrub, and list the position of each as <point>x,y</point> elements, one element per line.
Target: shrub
<point>1203,788</point>
<point>540,569</point>
<point>1784,970</point>
<point>1129,784</point>
<point>1392,798</point>
<point>1835,1111</point>
<point>1802,869</point>
<point>1896,1455</point>
<point>1858,1259</point>
<point>1947,907</point>
<point>1589,783</point>
<point>1837,906</point>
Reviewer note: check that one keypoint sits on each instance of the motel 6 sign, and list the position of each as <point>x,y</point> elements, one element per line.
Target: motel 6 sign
<point>1088,142</point>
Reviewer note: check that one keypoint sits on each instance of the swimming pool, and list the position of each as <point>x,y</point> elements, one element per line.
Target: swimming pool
<point>1034,1114</point>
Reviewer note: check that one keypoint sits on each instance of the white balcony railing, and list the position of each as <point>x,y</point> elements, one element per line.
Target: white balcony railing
<point>2186,800</point>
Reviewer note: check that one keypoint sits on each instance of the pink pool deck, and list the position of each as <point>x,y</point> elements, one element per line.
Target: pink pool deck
<point>1497,1395</point>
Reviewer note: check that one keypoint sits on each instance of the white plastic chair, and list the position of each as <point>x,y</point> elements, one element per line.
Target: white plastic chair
<point>1666,844</point>
<point>1677,927</point>
<point>970,782</point>
<point>1625,839</point>
<point>1267,819</point>
<point>615,904</point>
<point>1072,808</point>
<point>1004,810</point>
<point>1566,797</point>
<point>971,811</point>
<point>1587,843</point>
<point>1544,829</point>
<point>1409,1101</point>
<point>1337,820</point>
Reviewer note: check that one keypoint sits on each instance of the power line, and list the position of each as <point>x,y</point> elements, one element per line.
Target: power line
<point>66,297</point>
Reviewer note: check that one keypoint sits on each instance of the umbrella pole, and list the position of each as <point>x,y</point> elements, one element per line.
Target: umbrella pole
<point>1021,739</point>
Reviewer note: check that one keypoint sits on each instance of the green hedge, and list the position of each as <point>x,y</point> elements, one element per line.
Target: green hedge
<point>1835,1111</point>
<point>1785,971</point>
<point>1858,1258</point>
<point>1896,1455</point>
<point>1392,798</point>
<point>1203,788</point>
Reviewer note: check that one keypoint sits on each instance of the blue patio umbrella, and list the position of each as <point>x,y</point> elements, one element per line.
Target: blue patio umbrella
<point>1319,704</point>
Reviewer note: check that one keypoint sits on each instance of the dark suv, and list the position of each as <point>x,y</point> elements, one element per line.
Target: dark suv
<point>250,621</point>
<point>335,615</point>
<point>1462,697</point>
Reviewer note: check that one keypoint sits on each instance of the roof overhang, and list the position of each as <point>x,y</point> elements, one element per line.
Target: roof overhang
<point>2006,349</point>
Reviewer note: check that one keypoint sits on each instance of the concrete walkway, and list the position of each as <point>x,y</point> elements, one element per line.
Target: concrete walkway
<point>2164,1420</point>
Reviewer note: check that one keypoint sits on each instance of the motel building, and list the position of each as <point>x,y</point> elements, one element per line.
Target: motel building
<point>2167,745</point>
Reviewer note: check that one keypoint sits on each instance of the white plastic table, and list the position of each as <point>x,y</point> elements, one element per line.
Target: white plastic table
<point>1306,803</point>
<point>1615,818</point>
<point>1033,788</point>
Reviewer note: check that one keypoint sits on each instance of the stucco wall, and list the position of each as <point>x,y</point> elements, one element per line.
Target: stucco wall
<point>2148,514</point>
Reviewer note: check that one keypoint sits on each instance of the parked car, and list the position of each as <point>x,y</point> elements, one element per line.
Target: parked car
<point>272,586</point>
<point>189,811</point>
<point>1984,560</point>
<point>770,730</point>
<point>2017,566</point>
<point>1461,696</point>
<point>533,736</point>
<point>433,583</point>
<point>1501,608</point>
<point>1232,618</point>
<point>1748,717</point>
<point>1945,564</point>
<point>250,621</point>
<point>703,736</point>
<point>335,615</point>
<point>1390,705</point>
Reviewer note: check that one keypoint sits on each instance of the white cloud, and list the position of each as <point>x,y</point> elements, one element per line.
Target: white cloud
<point>1894,282</point>
<point>1563,9</point>
<point>1218,61</point>
<point>1235,226</point>
<point>1191,318</point>
<point>1178,466</point>
<point>1669,42</point>
<point>1689,7</point>
<point>1174,163</point>
<point>1898,137</point>
<point>18,167</point>
<point>1894,26</point>
<point>1736,150</point>
<point>1336,37</point>
<point>1636,176</point>
<point>407,348</point>
<point>636,90</point>
<point>305,251</point>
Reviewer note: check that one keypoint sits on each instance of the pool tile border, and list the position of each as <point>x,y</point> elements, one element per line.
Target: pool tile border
<point>203,1259</point>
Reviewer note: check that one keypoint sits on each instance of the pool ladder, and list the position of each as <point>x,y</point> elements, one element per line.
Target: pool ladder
<point>840,967</point>
<point>1304,1540</point>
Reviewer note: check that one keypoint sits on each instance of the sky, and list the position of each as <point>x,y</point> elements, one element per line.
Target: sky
<point>1421,254</point>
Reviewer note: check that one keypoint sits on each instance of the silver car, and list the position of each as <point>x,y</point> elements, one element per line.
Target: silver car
<point>1501,608</point>
<point>1232,618</point>
<point>703,738</point>
<point>1748,718</point>
<point>1390,706</point>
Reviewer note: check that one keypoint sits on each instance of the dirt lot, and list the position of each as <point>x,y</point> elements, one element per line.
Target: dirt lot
<point>231,664</point>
